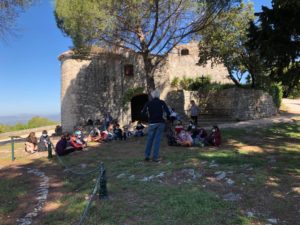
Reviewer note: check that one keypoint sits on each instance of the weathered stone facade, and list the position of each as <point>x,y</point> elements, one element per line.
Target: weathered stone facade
<point>95,85</point>
<point>234,103</point>
<point>241,104</point>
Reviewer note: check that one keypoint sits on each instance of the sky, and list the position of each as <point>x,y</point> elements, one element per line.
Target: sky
<point>29,65</point>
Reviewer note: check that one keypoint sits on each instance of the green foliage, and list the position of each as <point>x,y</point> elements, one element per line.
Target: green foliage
<point>224,41</point>
<point>276,38</point>
<point>185,82</point>
<point>175,82</point>
<point>295,92</point>
<point>9,12</point>
<point>275,90</point>
<point>32,123</point>
<point>131,92</point>
<point>204,84</point>
<point>39,121</point>
<point>148,27</point>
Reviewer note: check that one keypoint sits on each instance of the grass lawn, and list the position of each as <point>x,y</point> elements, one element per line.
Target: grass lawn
<point>259,167</point>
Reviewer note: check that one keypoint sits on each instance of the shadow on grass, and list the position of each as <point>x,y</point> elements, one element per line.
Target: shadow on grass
<point>272,193</point>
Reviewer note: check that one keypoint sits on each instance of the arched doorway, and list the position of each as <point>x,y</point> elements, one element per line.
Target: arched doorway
<point>137,104</point>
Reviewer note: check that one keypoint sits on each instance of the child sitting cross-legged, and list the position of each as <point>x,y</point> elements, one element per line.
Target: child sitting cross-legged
<point>95,135</point>
<point>214,137</point>
<point>77,141</point>
<point>184,138</point>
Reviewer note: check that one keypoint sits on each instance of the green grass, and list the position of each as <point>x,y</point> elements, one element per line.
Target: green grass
<point>12,190</point>
<point>180,202</point>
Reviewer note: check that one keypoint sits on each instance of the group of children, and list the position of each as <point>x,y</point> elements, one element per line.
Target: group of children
<point>178,135</point>
<point>105,132</point>
<point>33,144</point>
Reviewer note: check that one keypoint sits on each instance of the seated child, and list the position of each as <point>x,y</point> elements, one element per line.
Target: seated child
<point>62,147</point>
<point>198,136</point>
<point>31,143</point>
<point>44,141</point>
<point>139,129</point>
<point>202,134</point>
<point>127,133</point>
<point>77,141</point>
<point>95,135</point>
<point>58,130</point>
<point>178,127</point>
<point>184,138</point>
<point>118,133</point>
<point>107,134</point>
<point>214,138</point>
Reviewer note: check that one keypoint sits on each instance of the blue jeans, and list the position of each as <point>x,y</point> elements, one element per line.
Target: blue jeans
<point>154,132</point>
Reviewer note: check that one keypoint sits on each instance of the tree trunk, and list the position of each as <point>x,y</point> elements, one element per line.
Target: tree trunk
<point>235,81</point>
<point>149,72</point>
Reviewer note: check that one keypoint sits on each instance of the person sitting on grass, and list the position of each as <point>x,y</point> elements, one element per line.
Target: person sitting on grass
<point>214,137</point>
<point>178,127</point>
<point>127,133</point>
<point>139,129</point>
<point>44,142</point>
<point>77,141</point>
<point>118,133</point>
<point>63,146</point>
<point>31,143</point>
<point>107,134</point>
<point>95,135</point>
<point>184,139</point>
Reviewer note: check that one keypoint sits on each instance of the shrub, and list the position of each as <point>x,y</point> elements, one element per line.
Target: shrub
<point>275,90</point>
<point>175,82</point>
<point>185,83</point>
<point>39,122</point>
<point>130,93</point>
<point>32,123</point>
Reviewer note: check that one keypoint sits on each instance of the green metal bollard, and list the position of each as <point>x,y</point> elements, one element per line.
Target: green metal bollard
<point>12,149</point>
<point>49,151</point>
<point>103,195</point>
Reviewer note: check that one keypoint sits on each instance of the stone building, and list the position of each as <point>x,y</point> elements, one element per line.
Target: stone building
<point>94,85</point>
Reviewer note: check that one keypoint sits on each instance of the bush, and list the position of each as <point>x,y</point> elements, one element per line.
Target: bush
<point>186,82</point>
<point>39,122</point>
<point>32,123</point>
<point>175,82</point>
<point>130,93</point>
<point>275,90</point>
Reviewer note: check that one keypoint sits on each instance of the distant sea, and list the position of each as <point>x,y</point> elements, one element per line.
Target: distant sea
<point>23,118</point>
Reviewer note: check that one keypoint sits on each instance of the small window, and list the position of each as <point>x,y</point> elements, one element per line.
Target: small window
<point>128,70</point>
<point>185,52</point>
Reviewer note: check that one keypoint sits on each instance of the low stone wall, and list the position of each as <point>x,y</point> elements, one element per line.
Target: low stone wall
<point>234,103</point>
<point>241,104</point>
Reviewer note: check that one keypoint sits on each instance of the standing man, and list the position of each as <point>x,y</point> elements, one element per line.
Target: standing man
<point>194,112</point>
<point>155,110</point>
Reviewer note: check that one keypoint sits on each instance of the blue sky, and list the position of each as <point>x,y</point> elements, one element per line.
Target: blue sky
<point>29,68</point>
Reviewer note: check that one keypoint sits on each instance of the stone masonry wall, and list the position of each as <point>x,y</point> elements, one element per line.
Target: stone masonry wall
<point>241,104</point>
<point>95,86</point>
<point>185,65</point>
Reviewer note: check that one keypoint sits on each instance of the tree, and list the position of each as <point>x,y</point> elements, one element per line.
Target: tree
<point>224,41</point>
<point>151,27</point>
<point>9,11</point>
<point>276,37</point>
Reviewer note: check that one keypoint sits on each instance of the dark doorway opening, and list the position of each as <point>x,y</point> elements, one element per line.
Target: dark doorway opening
<point>137,104</point>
